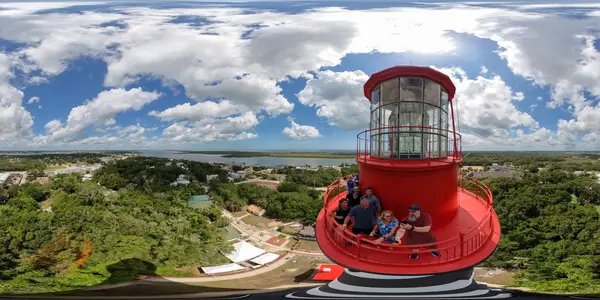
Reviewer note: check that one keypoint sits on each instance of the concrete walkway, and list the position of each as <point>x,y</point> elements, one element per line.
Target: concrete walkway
<point>250,273</point>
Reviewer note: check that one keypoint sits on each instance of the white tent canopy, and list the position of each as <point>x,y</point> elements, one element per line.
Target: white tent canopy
<point>265,258</point>
<point>244,251</point>
<point>222,269</point>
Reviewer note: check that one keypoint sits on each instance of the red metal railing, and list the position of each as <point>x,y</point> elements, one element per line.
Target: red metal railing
<point>362,248</point>
<point>385,143</point>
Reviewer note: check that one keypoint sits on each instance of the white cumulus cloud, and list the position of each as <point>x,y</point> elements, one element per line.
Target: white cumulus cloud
<point>338,97</point>
<point>300,132</point>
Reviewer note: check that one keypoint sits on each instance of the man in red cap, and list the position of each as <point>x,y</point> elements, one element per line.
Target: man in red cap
<point>418,226</point>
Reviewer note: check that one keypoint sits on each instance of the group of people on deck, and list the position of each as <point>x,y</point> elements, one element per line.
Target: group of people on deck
<point>367,218</point>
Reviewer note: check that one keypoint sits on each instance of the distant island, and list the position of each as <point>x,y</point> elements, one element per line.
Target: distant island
<point>276,154</point>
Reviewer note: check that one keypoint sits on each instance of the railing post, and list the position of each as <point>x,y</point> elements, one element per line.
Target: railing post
<point>365,152</point>
<point>357,145</point>
<point>358,244</point>
<point>462,239</point>
<point>453,130</point>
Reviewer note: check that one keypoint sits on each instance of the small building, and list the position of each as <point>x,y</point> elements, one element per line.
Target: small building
<point>87,177</point>
<point>199,201</point>
<point>234,176</point>
<point>307,232</point>
<point>497,168</point>
<point>255,210</point>
<point>265,171</point>
<point>211,177</point>
<point>248,171</point>
<point>4,177</point>
<point>181,180</point>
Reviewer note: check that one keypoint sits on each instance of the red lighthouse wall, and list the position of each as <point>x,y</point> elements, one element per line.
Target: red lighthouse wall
<point>435,190</point>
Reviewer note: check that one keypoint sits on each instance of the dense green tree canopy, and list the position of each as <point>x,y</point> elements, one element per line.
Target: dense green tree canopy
<point>131,210</point>
<point>122,218</point>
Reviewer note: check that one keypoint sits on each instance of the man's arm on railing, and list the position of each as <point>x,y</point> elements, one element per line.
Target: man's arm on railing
<point>375,228</point>
<point>347,219</point>
<point>400,234</point>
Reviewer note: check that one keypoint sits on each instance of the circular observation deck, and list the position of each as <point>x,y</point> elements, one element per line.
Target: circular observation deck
<point>465,241</point>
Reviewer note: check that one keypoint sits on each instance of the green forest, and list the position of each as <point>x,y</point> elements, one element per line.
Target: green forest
<point>133,213</point>
<point>549,217</point>
<point>550,230</point>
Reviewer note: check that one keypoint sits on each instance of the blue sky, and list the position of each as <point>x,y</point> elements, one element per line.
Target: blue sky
<point>289,75</point>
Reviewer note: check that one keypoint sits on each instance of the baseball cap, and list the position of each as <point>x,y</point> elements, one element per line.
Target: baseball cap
<point>414,207</point>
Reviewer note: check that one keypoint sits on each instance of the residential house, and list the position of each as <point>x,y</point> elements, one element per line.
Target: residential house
<point>307,232</point>
<point>181,180</point>
<point>255,210</point>
<point>211,177</point>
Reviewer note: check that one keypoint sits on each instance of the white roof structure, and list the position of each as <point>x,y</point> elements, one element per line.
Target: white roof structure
<point>244,251</point>
<point>265,258</point>
<point>3,177</point>
<point>222,269</point>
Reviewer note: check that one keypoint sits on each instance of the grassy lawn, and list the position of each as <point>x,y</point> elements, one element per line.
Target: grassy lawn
<point>259,222</point>
<point>309,246</point>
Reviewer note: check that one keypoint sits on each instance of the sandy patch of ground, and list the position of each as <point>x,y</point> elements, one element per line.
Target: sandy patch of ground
<point>494,276</point>
<point>259,222</point>
<point>240,213</point>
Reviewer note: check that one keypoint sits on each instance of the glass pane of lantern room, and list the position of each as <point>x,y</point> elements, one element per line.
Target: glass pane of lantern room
<point>374,134</point>
<point>389,119</point>
<point>417,150</point>
<point>389,91</point>
<point>432,93</point>
<point>375,99</point>
<point>443,123</point>
<point>444,134</point>
<point>431,133</point>
<point>444,101</point>
<point>411,89</point>
<point>410,138</point>
<point>444,139</point>
<point>443,146</point>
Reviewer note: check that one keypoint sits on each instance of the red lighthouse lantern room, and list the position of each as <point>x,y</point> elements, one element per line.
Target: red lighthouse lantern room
<point>411,155</point>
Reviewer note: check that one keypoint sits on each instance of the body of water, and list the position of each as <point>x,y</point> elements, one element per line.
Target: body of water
<point>251,161</point>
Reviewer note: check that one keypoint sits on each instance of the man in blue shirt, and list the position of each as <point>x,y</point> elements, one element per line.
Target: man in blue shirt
<point>350,183</point>
<point>373,200</point>
<point>364,218</point>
